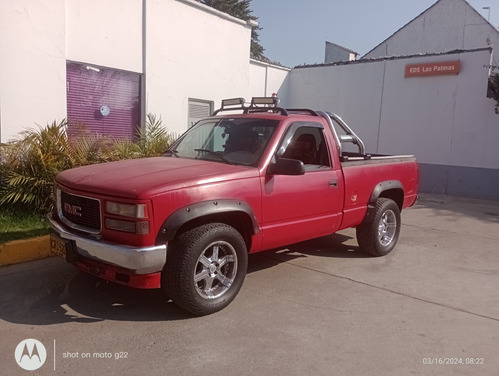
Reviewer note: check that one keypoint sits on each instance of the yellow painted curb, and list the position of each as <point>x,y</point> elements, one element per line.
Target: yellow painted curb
<point>24,250</point>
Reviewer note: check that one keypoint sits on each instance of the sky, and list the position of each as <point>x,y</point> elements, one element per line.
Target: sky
<point>294,31</point>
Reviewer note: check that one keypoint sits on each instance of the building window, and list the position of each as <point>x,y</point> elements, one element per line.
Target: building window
<point>102,100</point>
<point>198,109</point>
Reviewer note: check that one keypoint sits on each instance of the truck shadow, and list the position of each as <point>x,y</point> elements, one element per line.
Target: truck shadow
<point>68,295</point>
<point>50,291</point>
<point>337,245</point>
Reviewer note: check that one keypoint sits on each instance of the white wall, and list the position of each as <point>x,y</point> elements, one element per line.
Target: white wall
<point>32,65</point>
<point>443,120</point>
<point>265,79</point>
<point>105,32</point>
<point>353,91</point>
<point>183,49</point>
<point>448,119</point>
<point>192,54</point>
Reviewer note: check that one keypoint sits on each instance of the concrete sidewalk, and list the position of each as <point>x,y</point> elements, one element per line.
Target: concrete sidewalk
<point>320,307</point>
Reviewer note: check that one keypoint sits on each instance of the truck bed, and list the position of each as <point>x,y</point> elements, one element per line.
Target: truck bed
<point>361,177</point>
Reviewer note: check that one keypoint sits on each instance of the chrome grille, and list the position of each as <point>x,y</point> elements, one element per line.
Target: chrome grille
<point>80,212</point>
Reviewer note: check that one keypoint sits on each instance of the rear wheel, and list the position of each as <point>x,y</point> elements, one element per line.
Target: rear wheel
<point>206,267</point>
<point>379,232</point>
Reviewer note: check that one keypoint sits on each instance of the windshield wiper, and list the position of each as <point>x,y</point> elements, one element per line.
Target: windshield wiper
<point>216,154</point>
<point>172,152</point>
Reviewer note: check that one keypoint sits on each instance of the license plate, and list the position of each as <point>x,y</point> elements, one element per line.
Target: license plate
<point>57,246</point>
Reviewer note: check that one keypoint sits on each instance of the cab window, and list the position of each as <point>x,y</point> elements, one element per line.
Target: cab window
<point>307,144</point>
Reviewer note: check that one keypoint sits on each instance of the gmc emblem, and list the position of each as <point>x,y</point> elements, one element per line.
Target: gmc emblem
<point>72,209</point>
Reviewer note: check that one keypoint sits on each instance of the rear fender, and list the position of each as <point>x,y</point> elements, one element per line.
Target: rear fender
<point>392,189</point>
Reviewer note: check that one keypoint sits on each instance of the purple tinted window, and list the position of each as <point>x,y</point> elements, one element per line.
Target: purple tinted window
<point>102,100</point>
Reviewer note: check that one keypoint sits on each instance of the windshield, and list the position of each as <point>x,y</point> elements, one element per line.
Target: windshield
<point>233,141</point>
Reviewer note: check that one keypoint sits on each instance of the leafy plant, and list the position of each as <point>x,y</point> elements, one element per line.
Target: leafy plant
<point>29,165</point>
<point>493,89</point>
<point>154,138</point>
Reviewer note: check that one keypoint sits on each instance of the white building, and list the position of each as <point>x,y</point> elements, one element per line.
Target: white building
<point>109,62</point>
<point>446,26</point>
<point>335,53</point>
<point>446,120</point>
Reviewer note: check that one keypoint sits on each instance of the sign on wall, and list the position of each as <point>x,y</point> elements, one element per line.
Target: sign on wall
<point>432,69</point>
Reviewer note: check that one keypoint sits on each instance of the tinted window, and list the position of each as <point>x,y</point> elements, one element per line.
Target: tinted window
<point>307,144</point>
<point>234,141</point>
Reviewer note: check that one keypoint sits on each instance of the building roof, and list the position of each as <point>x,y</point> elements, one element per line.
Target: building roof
<point>386,58</point>
<point>420,15</point>
<point>342,47</point>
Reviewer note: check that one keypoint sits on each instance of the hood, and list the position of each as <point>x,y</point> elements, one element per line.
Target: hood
<point>146,177</point>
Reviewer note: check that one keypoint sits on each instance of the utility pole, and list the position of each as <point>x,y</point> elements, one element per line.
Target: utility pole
<point>488,12</point>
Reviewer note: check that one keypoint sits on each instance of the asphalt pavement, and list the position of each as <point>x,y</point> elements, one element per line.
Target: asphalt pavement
<point>320,307</point>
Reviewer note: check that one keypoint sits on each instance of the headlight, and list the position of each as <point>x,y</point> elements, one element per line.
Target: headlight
<point>132,211</point>
<point>127,210</point>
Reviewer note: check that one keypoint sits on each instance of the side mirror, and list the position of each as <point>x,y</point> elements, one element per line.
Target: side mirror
<point>286,166</point>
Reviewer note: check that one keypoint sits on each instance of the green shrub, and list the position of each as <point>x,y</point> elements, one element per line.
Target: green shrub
<point>153,137</point>
<point>28,166</point>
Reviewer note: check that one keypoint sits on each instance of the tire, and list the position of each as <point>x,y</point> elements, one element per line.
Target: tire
<point>379,232</point>
<point>205,269</point>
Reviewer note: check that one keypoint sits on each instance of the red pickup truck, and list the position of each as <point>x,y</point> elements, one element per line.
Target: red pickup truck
<point>247,179</point>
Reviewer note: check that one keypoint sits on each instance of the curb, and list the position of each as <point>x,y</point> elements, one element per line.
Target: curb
<point>24,250</point>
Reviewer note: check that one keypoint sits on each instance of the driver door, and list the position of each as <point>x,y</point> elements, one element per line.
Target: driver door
<point>301,207</point>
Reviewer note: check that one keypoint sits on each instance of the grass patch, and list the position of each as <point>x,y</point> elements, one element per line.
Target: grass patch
<point>15,225</point>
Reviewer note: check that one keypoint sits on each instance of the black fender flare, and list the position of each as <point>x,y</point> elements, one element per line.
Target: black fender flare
<point>380,188</point>
<point>197,210</point>
<point>385,186</point>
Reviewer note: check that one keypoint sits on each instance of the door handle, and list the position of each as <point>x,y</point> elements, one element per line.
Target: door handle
<point>333,183</point>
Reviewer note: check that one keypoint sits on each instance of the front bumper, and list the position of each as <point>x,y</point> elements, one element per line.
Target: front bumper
<point>143,260</point>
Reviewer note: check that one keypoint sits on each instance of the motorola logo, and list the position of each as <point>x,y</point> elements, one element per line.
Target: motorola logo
<point>30,354</point>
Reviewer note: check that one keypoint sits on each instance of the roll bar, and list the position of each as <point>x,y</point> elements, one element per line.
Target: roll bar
<point>270,104</point>
<point>349,137</point>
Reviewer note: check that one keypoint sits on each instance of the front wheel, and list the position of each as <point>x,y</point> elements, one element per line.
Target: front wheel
<point>206,267</point>
<point>379,232</point>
